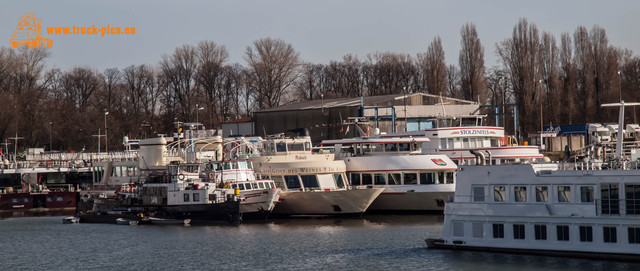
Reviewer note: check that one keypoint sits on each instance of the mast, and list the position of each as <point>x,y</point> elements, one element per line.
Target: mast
<point>622,104</point>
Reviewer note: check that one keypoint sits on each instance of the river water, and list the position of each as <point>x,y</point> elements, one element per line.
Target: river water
<point>372,242</point>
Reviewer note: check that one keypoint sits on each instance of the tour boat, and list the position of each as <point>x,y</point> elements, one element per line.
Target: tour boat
<point>588,209</point>
<point>465,139</point>
<point>412,181</point>
<point>312,184</point>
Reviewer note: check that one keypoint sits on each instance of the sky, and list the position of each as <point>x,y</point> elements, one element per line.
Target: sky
<point>321,31</point>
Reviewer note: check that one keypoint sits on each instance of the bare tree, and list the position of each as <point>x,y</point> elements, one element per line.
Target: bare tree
<point>454,88</point>
<point>275,66</point>
<point>568,80</point>
<point>520,55</point>
<point>550,77</point>
<point>178,74</point>
<point>434,68</point>
<point>471,61</point>
<point>211,59</point>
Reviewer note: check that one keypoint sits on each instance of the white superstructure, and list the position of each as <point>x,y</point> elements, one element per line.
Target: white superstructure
<point>312,184</point>
<point>412,181</point>
<point>465,138</point>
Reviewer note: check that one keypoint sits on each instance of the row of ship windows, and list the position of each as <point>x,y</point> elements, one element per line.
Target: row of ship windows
<point>609,233</point>
<point>467,143</point>
<point>562,192</point>
<point>401,178</point>
<point>25,200</point>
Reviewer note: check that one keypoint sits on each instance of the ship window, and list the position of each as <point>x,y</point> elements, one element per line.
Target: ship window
<point>241,186</point>
<point>292,181</point>
<point>448,177</point>
<point>242,164</point>
<point>249,165</point>
<point>281,146</point>
<point>465,143</point>
<point>499,193</point>
<point>498,230</point>
<point>186,197</point>
<point>540,232</point>
<point>586,193</point>
<point>610,202</point>
<point>440,177</point>
<point>394,178</point>
<point>477,229</point>
<point>410,178</point>
<point>610,234</point>
<point>564,194</point>
<point>390,147</point>
<point>295,147</point>
<point>472,143</point>
<point>234,186</point>
<point>478,193</point>
<point>248,185</point>
<point>339,180</point>
<point>310,181</point>
<point>355,178</point>
<point>632,201</point>
<point>443,143</point>
<point>562,232</point>
<point>634,235</point>
<point>450,143</point>
<point>427,178</point>
<point>404,147</point>
<point>261,185</point>
<point>379,179</point>
<point>520,193</point>
<point>226,165</point>
<point>366,148</point>
<point>49,199</point>
<point>378,147</point>
<point>458,229</point>
<point>279,181</point>
<point>518,231</point>
<point>586,234</point>
<point>542,194</point>
<point>14,200</point>
<point>196,197</point>
<point>307,146</point>
<point>366,179</point>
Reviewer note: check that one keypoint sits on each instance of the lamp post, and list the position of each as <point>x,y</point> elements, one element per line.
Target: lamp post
<point>620,83</point>
<point>197,111</point>
<point>50,124</point>
<point>106,137</point>
<point>322,101</point>
<point>541,143</point>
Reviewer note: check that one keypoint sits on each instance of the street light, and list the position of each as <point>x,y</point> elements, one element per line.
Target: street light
<point>541,143</point>
<point>197,111</point>
<point>106,137</point>
<point>620,83</point>
<point>50,124</point>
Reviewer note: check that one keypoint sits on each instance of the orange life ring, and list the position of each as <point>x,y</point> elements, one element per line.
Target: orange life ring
<point>211,176</point>
<point>181,177</point>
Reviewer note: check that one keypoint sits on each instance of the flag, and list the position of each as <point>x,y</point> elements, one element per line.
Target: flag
<point>341,130</point>
<point>346,132</point>
<point>367,130</point>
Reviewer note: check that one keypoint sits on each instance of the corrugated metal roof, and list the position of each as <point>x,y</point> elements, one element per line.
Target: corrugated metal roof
<point>351,102</point>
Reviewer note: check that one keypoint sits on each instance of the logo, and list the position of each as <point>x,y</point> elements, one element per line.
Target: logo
<point>29,33</point>
<point>439,162</point>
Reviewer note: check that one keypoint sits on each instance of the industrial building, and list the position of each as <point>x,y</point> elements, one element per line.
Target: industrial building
<point>325,118</point>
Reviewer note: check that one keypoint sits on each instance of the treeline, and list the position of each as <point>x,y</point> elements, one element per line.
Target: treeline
<point>567,79</point>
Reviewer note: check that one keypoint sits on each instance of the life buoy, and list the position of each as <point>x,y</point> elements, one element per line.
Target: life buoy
<point>211,176</point>
<point>181,177</point>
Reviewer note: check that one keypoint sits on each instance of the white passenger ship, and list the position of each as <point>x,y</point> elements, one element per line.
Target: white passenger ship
<point>412,181</point>
<point>465,138</point>
<point>569,210</point>
<point>312,184</point>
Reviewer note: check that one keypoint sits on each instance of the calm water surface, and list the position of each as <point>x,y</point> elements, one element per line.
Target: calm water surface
<point>367,243</point>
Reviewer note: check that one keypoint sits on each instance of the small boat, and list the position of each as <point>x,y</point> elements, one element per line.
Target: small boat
<point>126,221</point>
<point>70,220</point>
<point>169,221</point>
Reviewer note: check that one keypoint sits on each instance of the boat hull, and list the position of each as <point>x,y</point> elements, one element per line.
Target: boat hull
<point>258,204</point>
<point>410,201</point>
<point>332,203</point>
<point>38,202</point>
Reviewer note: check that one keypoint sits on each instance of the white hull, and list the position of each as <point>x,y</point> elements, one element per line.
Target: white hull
<point>575,217</point>
<point>339,202</point>
<point>410,198</point>
<point>259,200</point>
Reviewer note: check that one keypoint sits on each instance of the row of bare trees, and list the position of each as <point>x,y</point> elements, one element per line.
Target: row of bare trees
<point>566,80</point>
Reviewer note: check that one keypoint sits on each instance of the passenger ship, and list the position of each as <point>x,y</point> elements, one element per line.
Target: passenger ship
<point>467,141</point>
<point>412,181</point>
<point>312,184</point>
<point>582,210</point>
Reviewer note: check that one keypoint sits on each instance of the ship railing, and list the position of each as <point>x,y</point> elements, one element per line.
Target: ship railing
<point>617,207</point>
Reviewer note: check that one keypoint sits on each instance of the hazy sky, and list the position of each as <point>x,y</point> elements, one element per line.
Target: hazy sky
<point>320,31</point>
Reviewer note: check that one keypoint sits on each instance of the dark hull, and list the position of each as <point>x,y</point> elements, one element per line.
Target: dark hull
<point>38,202</point>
